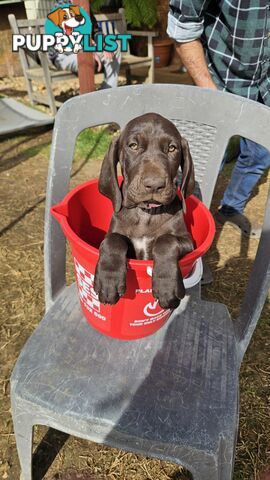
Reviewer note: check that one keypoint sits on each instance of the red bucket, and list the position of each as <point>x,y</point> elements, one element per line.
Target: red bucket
<point>85,216</point>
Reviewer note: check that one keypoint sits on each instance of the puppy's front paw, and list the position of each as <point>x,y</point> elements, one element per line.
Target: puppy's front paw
<point>168,289</point>
<point>110,286</point>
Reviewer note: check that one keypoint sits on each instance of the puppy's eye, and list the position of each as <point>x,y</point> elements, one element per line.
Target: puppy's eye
<point>65,17</point>
<point>172,148</point>
<point>133,146</point>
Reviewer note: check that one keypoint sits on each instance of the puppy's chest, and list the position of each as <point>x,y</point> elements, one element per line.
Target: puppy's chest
<point>144,234</point>
<point>143,229</point>
<point>143,247</point>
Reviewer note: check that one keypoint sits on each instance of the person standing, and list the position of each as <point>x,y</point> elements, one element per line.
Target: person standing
<point>226,45</point>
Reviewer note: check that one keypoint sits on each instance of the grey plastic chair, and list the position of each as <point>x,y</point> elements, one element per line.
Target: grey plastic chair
<point>173,395</point>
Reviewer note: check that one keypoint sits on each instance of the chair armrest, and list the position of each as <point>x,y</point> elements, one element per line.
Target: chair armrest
<point>141,33</point>
<point>257,289</point>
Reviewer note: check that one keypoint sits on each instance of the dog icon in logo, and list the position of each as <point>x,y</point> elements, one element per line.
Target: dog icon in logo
<point>67,18</point>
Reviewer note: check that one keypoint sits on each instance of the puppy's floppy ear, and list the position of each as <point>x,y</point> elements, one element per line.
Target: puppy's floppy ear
<point>54,16</point>
<point>108,184</point>
<point>188,179</point>
<point>75,9</point>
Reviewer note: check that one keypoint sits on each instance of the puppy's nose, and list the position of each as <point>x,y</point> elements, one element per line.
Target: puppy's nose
<point>154,184</point>
<point>78,18</point>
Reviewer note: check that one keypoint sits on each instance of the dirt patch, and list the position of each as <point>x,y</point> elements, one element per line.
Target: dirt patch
<point>23,184</point>
<point>76,476</point>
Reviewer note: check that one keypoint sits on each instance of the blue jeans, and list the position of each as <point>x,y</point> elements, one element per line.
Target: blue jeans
<point>250,165</point>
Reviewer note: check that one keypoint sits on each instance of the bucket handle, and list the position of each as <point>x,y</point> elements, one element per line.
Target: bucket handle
<point>192,279</point>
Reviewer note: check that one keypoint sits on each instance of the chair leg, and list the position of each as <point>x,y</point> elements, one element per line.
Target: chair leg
<point>48,82</point>
<point>221,470</point>
<point>23,429</point>
<point>206,472</point>
<point>51,99</point>
<point>150,53</point>
<point>29,87</point>
<point>128,75</point>
<point>150,76</point>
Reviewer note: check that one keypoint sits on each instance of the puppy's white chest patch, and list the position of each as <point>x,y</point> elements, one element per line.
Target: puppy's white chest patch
<point>141,246</point>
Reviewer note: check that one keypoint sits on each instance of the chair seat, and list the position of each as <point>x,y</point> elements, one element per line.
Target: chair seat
<point>37,74</point>
<point>175,388</point>
<point>128,59</point>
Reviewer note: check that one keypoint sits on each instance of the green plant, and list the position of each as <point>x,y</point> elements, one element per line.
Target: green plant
<point>139,13</point>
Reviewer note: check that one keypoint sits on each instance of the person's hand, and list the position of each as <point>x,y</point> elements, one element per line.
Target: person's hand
<point>108,55</point>
<point>99,62</point>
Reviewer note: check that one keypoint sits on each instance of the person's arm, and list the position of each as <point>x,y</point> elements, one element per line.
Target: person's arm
<point>186,25</point>
<point>97,30</point>
<point>193,58</point>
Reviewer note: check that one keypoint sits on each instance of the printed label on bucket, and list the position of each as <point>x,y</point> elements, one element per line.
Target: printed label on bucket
<point>88,296</point>
<point>152,312</point>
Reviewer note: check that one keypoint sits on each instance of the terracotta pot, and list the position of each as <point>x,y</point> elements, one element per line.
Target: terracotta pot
<point>162,52</point>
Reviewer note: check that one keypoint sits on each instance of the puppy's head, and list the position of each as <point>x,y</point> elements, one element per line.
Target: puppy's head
<point>150,150</point>
<point>67,18</point>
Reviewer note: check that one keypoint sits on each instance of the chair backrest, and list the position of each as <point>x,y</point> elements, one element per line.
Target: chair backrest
<point>25,27</point>
<point>112,23</point>
<point>207,118</point>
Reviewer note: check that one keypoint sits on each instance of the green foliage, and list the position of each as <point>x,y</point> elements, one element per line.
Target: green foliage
<point>96,4</point>
<point>139,13</point>
<point>92,143</point>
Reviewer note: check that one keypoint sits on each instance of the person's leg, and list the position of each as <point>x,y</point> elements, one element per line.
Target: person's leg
<point>111,70</point>
<point>252,161</point>
<point>67,62</point>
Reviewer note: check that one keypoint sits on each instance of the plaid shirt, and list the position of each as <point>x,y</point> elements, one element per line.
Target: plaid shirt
<point>236,38</point>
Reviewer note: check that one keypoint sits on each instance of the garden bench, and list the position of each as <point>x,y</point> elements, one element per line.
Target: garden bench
<point>37,67</point>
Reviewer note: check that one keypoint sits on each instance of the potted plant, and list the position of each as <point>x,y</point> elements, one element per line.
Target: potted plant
<point>162,51</point>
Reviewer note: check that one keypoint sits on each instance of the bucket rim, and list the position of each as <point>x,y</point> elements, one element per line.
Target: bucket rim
<point>184,262</point>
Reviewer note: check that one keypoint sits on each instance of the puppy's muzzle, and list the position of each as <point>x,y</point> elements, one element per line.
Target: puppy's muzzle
<point>154,184</point>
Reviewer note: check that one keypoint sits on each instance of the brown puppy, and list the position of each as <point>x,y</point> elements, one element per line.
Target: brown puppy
<point>148,218</point>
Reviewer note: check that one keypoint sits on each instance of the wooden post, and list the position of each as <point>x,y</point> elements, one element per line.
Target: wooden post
<point>85,61</point>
